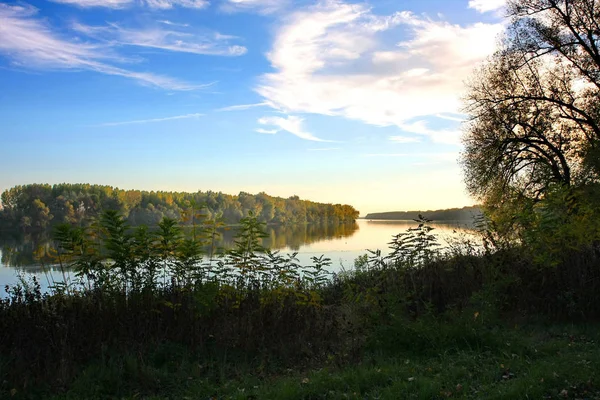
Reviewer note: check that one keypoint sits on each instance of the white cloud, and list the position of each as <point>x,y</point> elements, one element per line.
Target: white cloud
<point>449,157</point>
<point>163,39</point>
<point>147,121</point>
<point>404,139</point>
<point>167,4</point>
<point>26,39</point>
<point>167,22</point>
<point>291,124</point>
<point>487,5</point>
<point>387,155</point>
<point>336,59</point>
<point>446,136</point>
<point>451,118</point>
<point>261,6</point>
<point>267,131</point>
<point>96,3</point>
<point>241,107</point>
<point>156,4</point>
<point>30,42</point>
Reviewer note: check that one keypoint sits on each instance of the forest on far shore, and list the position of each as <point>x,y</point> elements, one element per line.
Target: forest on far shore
<point>37,207</point>
<point>451,214</point>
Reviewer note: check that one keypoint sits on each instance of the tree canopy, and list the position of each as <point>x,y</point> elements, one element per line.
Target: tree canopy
<point>534,107</point>
<point>38,206</point>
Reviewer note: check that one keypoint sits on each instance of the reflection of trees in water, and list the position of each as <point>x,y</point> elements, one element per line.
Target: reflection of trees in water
<point>53,270</point>
<point>34,250</point>
<point>460,223</point>
<point>293,236</point>
<point>296,236</point>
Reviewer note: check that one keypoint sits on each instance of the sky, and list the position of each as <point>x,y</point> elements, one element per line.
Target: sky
<point>337,101</point>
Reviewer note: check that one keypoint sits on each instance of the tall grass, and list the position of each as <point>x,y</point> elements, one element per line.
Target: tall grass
<point>138,290</point>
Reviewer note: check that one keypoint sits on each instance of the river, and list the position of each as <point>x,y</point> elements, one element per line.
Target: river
<point>341,243</point>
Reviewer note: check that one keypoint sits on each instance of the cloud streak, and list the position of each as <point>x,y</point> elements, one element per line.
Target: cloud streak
<point>114,4</point>
<point>447,136</point>
<point>325,149</point>
<point>119,4</point>
<point>241,107</point>
<point>404,139</point>
<point>260,6</point>
<point>450,118</point>
<point>266,131</point>
<point>168,4</point>
<point>149,121</point>
<point>484,6</point>
<point>171,23</point>
<point>163,39</point>
<point>291,124</point>
<point>441,157</point>
<point>31,43</point>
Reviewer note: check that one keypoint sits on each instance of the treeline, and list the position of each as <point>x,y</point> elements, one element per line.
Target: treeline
<point>37,207</point>
<point>451,214</point>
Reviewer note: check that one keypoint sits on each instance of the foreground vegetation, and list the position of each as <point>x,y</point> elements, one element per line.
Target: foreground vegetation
<point>150,318</point>
<point>532,363</point>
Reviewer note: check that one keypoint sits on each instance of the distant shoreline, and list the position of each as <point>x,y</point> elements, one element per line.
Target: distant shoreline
<point>467,213</point>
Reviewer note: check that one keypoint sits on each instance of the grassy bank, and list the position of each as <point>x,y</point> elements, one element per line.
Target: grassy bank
<point>154,322</point>
<point>541,362</point>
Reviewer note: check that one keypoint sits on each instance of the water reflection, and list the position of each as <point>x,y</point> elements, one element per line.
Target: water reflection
<point>342,244</point>
<point>376,234</point>
<point>26,250</point>
<point>33,251</point>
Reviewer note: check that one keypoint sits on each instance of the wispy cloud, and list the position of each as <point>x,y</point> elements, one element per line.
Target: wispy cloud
<point>152,120</point>
<point>117,4</point>
<point>260,6</point>
<point>291,124</point>
<point>325,149</point>
<point>404,139</point>
<point>266,131</point>
<point>487,5</point>
<point>441,157</point>
<point>30,42</point>
<point>164,39</point>
<point>167,4</point>
<point>450,118</point>
<point>386,155</point>
<point>447,136</point>
<point>167,22</point>
<point>240,107</point>
<point>335,59</point>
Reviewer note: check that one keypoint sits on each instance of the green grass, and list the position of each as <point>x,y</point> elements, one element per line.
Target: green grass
<point>428,329</point>
<point>523,363</point>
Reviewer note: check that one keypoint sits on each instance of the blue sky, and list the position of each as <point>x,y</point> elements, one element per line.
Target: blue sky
<point>335,101</point>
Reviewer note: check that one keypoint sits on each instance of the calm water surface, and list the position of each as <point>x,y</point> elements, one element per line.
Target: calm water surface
<point>341,243</point>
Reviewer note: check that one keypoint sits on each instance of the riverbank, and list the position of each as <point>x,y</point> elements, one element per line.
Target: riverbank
<point>467,322</point>
<point>535,362</point>
<point>465,355</point>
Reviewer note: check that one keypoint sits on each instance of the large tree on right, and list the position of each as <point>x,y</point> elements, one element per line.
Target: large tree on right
<point>534,107</point>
